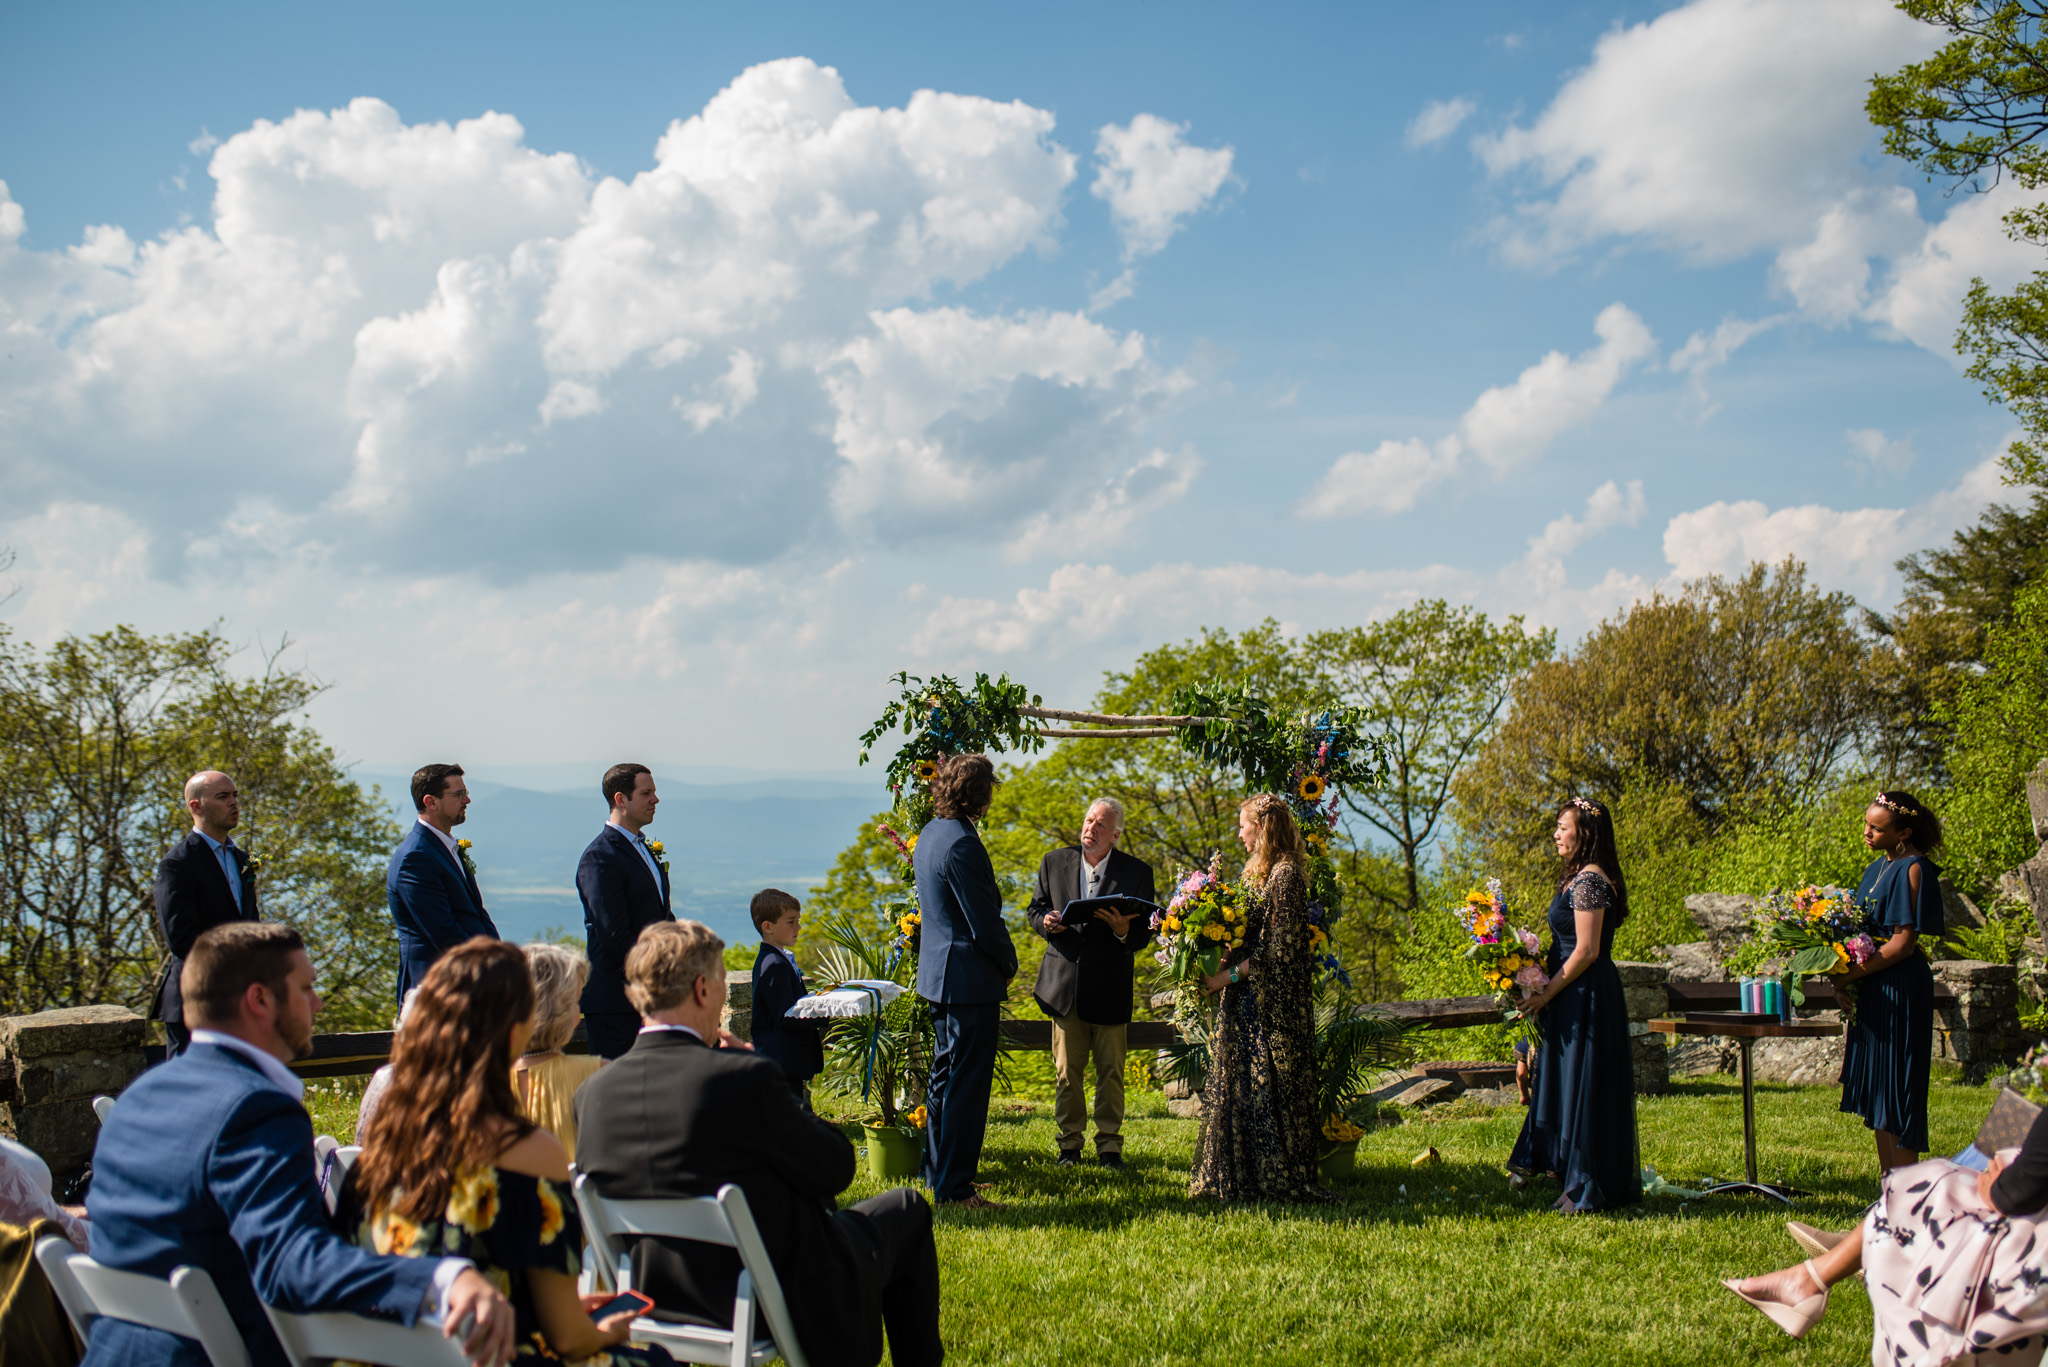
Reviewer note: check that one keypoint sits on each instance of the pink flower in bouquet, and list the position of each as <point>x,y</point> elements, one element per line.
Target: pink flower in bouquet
<point>1532,979</point>
<point>1862,949</point>
<point>1529,941</point>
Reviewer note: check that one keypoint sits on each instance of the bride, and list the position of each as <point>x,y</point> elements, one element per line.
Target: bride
<point>1260,1132</point>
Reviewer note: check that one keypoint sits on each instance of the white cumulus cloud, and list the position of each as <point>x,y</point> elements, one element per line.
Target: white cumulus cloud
<point>1153,179</point>
<point>1438,120</point>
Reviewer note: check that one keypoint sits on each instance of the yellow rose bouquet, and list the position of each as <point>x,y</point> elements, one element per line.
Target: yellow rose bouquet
<point>1206,918</point>
<point>1510,960</point>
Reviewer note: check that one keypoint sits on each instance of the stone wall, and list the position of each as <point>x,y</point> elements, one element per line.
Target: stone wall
<point>61,1060</point>
<point>2030,880</point>
<point>739,1003</point>
<point>1982,1030</point>
<point>1643,985</point>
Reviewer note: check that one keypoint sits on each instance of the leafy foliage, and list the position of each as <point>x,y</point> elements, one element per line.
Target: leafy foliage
<point>884,1059</point>
<point>1974,112</point>
<point>2000,720</point>
<point>1355,1048</point>
<point>97,737</point>
<point>941,719</point>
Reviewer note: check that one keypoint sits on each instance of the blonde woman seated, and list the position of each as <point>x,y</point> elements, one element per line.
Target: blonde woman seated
<point>453,1169</point>
<point>545,1078</point>
<point>1951,1257</point>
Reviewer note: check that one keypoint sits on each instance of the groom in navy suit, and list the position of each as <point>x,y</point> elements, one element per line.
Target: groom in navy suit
<point>964,965</point>
<point>623,884</point>
<point>431,885</point>
<point>208,1162</point>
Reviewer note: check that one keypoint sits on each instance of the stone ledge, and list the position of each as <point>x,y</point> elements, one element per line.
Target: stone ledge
<point>72,1030</point>
<point>1975,973</point>
<point>1637,974</point>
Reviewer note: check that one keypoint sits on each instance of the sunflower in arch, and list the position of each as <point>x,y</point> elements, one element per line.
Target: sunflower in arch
<point>927,770</point>
<point>1311,788</point>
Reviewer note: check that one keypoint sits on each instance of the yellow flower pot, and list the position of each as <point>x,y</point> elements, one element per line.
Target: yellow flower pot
<point>893,1154</point>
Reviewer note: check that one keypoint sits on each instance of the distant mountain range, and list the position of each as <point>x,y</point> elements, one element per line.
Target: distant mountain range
<point>726,840</point>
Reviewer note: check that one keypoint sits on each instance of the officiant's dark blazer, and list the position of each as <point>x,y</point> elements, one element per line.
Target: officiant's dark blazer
<point>1087,970</point>
<point>192,896</point>
<point>621,898</point>
<point>435,904</point>
<point>673,1118</point>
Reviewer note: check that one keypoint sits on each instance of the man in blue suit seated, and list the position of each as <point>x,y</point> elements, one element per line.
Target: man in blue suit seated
<point>431,884</point>
<point>208,1162</point>
<point>964,965</point>
<point>622,882</point>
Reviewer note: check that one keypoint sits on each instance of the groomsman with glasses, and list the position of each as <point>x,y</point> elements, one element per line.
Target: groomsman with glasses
<point>205,881</point>
<point>431,884</point>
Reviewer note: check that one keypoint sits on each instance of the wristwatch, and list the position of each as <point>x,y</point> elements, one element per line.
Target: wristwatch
<point>1233,973</point>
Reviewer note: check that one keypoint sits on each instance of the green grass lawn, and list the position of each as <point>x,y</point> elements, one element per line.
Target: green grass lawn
<point>1097,1269</point>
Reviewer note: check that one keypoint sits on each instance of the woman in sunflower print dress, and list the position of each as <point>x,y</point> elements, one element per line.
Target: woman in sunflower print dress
<point>1261,1136</point>
<point>451,1168</point>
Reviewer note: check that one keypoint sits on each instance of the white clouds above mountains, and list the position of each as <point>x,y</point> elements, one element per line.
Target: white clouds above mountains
<point>431,348</point>
<point>1505,427</point>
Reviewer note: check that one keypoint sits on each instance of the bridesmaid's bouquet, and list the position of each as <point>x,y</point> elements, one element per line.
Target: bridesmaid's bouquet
<point>1824,929</point>
<point>1509,959</point>
<point>1206,917</point>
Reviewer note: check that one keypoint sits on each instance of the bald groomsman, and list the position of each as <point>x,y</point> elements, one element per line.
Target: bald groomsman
<point>205,881</point>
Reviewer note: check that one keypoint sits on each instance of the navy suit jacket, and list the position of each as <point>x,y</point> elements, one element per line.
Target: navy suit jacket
<point>435,904</point>
<point>796,1045</point>
<point>205,1163</point>
<point>965,955</point>
<point>192,895</point>
<point>620,899</point>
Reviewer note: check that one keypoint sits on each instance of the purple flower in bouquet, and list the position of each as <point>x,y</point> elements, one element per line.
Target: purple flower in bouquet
<point>1862,949</point>
<point>1529,940</point>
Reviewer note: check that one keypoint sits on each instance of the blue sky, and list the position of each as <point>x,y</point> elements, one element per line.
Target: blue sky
<point>546,445</point>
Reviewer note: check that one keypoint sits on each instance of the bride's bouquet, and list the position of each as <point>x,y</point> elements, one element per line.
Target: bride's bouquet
<point>1508,959</point>
<point>1825,929</point>
<point>1206,917</point>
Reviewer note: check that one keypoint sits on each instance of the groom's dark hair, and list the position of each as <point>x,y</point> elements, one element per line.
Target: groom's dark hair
<point>431,780</point>
<point>964,786</point>
<point>620,778</point>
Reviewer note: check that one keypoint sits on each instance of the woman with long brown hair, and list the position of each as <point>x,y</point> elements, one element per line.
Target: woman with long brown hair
<point>451,1167</point>
<point>1261,1136</point>
<point>1581,1127</point>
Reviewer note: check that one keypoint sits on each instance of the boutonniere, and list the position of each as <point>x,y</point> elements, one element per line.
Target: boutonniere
<point>655,848</point>
<point>462,853</point>
<point>251,867</point>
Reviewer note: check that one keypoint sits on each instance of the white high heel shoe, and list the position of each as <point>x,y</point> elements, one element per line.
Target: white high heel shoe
<point>1795,1320</point>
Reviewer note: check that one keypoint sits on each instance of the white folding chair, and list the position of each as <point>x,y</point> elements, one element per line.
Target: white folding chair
<point>310,1339</point>
<point>103,1106</point>
<point>186,1304</point>
<point>325,1146</point>
<point>723,1220</point>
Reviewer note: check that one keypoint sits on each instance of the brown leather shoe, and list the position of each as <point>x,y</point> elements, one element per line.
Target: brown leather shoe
<point>974,1202</point>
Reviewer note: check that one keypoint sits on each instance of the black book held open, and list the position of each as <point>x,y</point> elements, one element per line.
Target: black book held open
<point>1080,914</point>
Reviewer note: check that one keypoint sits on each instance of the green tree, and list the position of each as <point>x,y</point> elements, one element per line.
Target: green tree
<point>1433,680</point>
<point>1972,113</point>
<point>1954,596</point>
<point>97,736</point>
<point>2000,722</point>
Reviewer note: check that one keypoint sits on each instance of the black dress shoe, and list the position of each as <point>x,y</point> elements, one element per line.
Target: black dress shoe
<point>1070,1158</point>
<point>1111,1160</point>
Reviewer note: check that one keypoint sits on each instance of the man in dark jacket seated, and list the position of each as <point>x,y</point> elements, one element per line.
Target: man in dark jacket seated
<point>207,1162</point>
<point>689,1109</point>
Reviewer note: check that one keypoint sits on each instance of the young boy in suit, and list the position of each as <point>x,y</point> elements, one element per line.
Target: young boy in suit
<point>778,983</point>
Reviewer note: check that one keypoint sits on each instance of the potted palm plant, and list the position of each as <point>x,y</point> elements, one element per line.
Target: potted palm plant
<point>884,1058</point>
<point>1355,1048</point>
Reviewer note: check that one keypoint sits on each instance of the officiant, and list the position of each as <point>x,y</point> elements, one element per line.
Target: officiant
<point>1084,982</point>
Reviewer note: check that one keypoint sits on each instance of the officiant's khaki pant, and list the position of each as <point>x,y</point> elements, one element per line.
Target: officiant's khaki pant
<point>1073,1042</point>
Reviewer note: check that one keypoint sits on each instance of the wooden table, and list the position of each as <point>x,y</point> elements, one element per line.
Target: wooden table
<point>1745,1035</point>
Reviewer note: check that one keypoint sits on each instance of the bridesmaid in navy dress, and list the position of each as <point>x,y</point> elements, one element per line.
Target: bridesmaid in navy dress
<point>1891,1042</point>
<point>1582,1121</point>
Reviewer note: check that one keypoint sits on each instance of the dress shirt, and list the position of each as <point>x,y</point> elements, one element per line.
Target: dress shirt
<point>1091,874</point>
<point>640,844</point>
<point>220,850</point>
<point>656,1027</point>
<point>447,840</point>
<point>791,956</point>
<point>446,1270</point>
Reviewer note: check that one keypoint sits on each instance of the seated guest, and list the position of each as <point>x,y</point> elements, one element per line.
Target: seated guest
<point>1950,1256</point>
<point>685,1112</point>
<point>25,1194</point>
<point>452,1165</point>
<point>795,1046</point>
<point>545,1078</point>
<point>208,1162</point>
<point>381,1079</point>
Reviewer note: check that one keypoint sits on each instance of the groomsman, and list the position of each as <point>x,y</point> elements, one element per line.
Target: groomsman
<point>623,885</point>
<point>431,884</point>
<point>205,881</point>
<point>1084,982</point>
